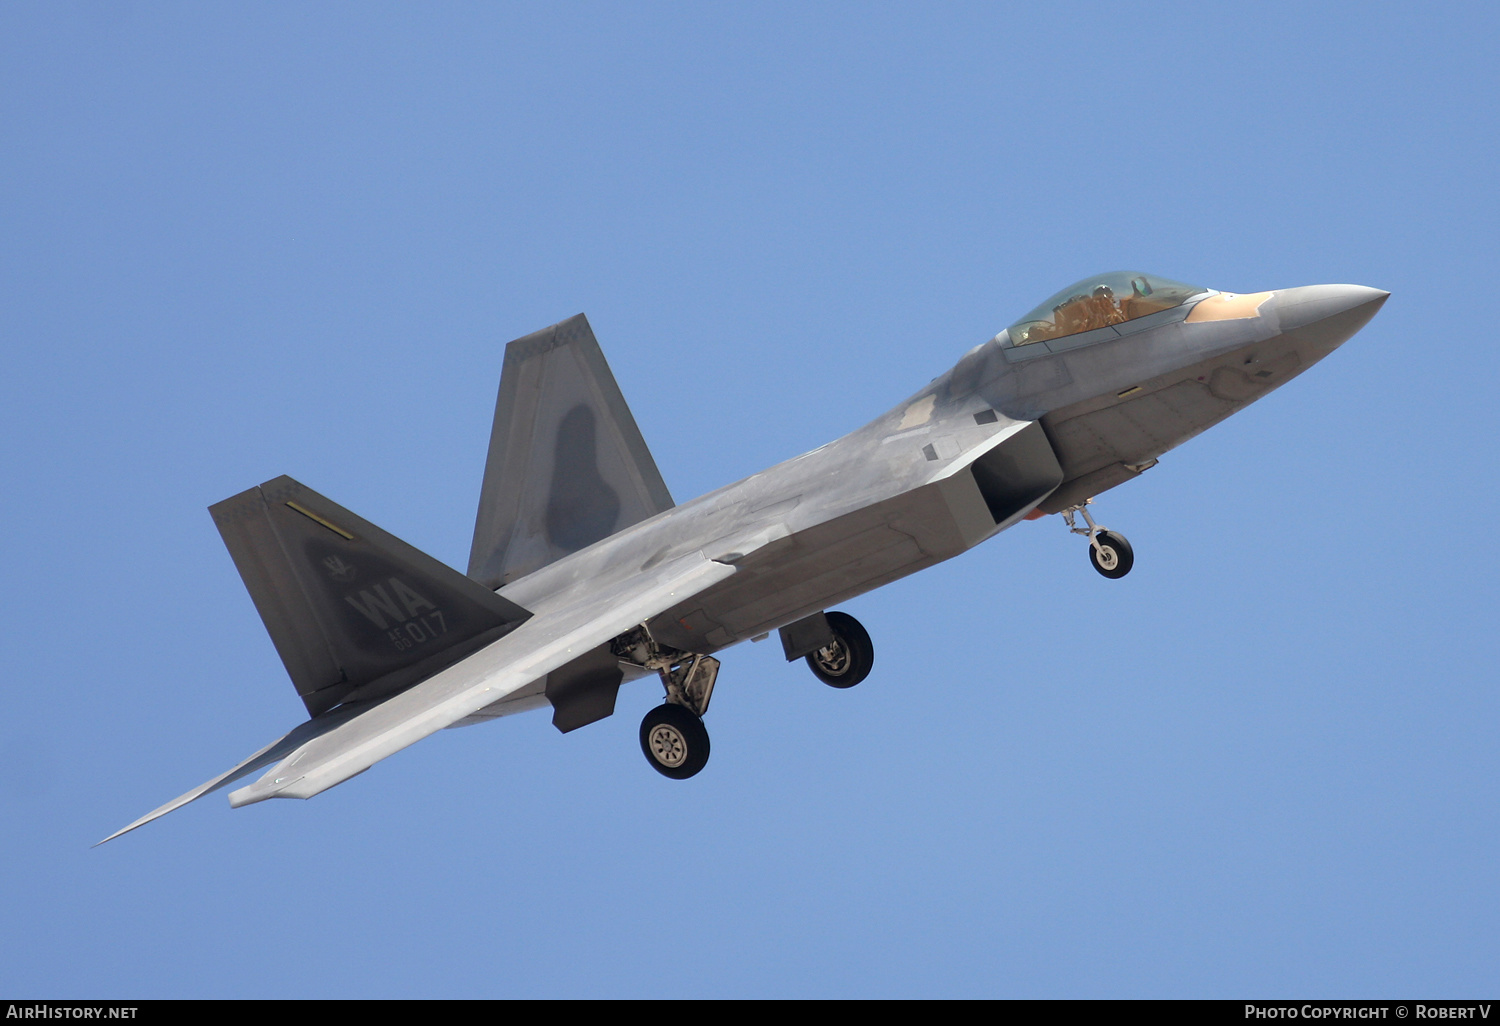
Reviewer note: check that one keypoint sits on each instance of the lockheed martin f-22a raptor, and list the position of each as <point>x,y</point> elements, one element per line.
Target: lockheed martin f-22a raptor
<point>584,574</point>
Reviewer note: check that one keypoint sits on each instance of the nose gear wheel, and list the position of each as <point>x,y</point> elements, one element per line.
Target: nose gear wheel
<point>1109,553</point>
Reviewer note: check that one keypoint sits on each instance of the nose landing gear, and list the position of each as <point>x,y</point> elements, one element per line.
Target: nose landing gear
<point>1109,552</point>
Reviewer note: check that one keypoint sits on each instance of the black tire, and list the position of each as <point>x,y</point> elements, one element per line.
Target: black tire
<point>849,659</point>
<point>1114,557</point>
<point>675,741</point>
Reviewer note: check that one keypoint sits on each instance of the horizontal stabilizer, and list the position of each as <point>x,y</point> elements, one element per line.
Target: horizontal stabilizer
<point>355,613</point>
<point>567,465</point>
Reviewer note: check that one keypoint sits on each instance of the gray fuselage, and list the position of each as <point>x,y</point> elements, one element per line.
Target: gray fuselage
<point>1009,431</point>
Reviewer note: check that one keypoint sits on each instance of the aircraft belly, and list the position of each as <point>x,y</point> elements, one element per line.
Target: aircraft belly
<point>802,579</point>
<point>832,562</point>
<point>865,562</point>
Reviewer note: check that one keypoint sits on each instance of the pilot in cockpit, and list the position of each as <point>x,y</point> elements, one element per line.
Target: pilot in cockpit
<point>1085,313</point>
<point>1092,304</point>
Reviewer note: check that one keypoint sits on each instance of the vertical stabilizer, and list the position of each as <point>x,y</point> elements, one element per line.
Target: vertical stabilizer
<point>567,465</point>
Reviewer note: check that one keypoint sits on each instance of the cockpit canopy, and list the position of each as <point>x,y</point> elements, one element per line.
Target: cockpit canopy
<point>1098,302</point>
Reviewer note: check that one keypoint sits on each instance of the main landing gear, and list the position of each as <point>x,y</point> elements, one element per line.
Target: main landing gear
<point>673,737</point>
<point>846,660</point>
<point>1109,553</point>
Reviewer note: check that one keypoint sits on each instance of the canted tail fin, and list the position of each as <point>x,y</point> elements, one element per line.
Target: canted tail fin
<point>567,464</point>
<point>354,612</point>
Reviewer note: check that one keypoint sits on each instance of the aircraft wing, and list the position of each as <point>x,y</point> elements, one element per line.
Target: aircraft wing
<point>330,749</point>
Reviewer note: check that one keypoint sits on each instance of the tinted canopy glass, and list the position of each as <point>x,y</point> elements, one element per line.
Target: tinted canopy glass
<point>1098,302</point>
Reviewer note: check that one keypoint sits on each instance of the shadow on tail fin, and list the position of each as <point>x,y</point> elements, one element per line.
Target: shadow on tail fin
<point>354,612</point>
<point>567,464</point>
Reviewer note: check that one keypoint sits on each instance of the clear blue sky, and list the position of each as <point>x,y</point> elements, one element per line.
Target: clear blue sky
<point>241,240</point>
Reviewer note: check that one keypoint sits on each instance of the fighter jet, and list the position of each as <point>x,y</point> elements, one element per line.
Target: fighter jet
<point>584,574</point>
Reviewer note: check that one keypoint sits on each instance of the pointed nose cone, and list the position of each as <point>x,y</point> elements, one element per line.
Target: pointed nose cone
<point>1347,307</point>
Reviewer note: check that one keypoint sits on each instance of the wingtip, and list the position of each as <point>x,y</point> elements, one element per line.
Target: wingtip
<point>266,755</point>
<point>125,830</point>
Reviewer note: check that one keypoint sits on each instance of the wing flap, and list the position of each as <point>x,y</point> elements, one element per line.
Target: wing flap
<point>554,636</point>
